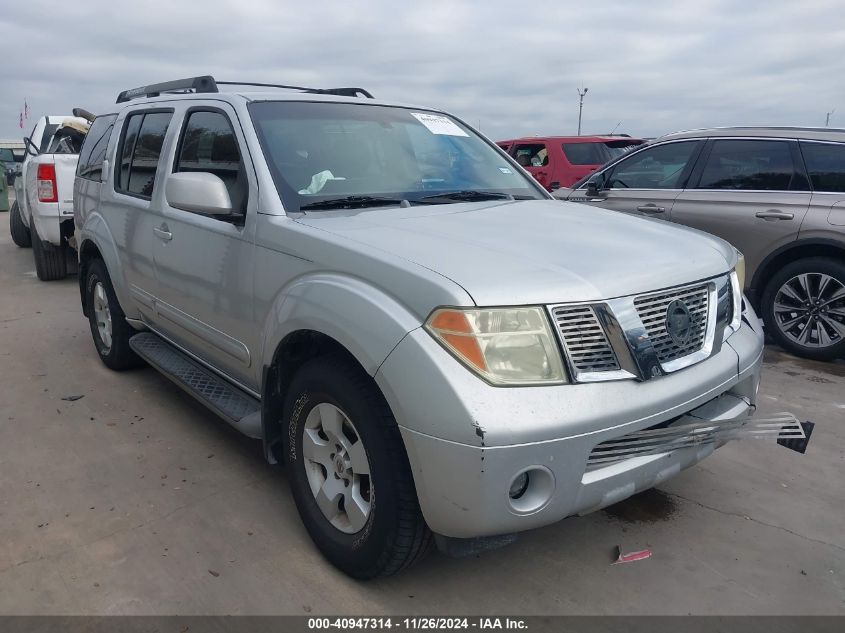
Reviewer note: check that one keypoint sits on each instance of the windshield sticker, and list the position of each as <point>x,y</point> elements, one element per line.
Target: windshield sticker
<point>505,170</point>
<point>438,124</point>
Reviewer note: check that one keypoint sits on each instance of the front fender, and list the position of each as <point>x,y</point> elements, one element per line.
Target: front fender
<point>368,322</point>
<point>96,231</point>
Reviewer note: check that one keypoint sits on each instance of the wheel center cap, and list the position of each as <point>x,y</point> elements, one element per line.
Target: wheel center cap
<point>339,465</point>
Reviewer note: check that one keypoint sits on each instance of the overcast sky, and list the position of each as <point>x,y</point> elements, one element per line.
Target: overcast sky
<point>511,67</point>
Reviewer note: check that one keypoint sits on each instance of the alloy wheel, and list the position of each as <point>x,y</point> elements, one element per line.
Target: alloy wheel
<point>337,468</point>
<point>809,309</point>
<point>102,315</point>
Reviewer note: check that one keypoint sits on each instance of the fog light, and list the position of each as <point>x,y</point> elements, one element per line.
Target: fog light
<point>518,486</point>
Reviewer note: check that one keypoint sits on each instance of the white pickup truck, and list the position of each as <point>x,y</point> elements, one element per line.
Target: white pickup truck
<point>42,215</point>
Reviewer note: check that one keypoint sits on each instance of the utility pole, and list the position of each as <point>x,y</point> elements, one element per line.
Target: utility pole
<point>827,118</point>
<point>581,93</point>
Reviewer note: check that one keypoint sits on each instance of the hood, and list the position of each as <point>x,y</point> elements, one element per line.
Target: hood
<point>535,251</point>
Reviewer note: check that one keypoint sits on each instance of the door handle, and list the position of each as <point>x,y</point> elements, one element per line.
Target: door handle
<point>163,232</point>
<point>774,214</point>
<point>651,208</point>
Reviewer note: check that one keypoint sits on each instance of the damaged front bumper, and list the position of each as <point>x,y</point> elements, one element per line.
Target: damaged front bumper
<point>469,443</point>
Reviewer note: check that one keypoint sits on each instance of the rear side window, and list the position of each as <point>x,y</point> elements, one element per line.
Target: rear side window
<point>750,165</point>
<point>657,167</point>
<point>825,165</point>
<point>140,149</point>
<point>93,150</point>
<point>531,154</point>
<point>585,153</point>
<point>209,145</point>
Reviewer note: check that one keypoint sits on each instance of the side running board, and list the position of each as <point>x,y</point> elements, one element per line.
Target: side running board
<point>235,406</point>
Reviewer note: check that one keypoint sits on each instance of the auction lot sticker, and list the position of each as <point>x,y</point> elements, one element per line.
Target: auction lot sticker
<point>439,124</point>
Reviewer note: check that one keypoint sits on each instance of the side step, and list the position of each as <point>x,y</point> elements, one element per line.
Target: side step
<point>236,407</point>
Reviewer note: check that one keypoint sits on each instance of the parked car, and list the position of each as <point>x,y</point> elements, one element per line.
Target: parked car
<point>559,161</point>
<point>42,214</point>
<point>383,298</point>
<point>777,194</point>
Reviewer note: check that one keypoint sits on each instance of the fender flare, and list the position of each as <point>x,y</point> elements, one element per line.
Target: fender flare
<point>96,231</point>
<point>362,318</point>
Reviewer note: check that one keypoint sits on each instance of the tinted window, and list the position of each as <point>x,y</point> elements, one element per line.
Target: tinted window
<point>140,151</point>
<point>755,165</point>
<point>585,153</point>
<point>531,154</point>
<point>130,135</point>
<point>94,148</point>
<point>825,165</point>
<point>209,145</point>
<point>658,167</point>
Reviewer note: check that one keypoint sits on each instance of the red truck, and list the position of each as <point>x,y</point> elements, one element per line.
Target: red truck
<point>559,161</point>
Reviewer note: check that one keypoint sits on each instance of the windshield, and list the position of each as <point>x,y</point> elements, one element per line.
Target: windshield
<point>319,152</point>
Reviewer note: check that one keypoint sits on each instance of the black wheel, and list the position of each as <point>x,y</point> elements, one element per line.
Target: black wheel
<point>109,328</point>
<point>50,263</point>
<point>20,232</point>
<point>803,307</point>
<point>349,472</point>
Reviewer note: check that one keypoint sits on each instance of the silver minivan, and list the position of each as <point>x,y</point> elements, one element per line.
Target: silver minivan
<point>777,194</point>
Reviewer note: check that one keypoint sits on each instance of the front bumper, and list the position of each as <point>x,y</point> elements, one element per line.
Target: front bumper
<point>467,440</point>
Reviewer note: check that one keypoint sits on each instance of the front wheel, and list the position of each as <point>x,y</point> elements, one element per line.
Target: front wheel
<point>803,307</point>
<point>349,473</point>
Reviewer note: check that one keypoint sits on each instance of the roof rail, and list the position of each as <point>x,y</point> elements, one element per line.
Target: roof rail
<point>207,84</point>
<point>195,84</point>
<point>343,92</point>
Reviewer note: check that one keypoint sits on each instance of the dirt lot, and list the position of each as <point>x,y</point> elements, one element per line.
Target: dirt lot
<point>134,499</point>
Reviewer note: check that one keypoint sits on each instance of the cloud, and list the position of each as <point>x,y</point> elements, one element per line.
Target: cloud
<point>511,67</point>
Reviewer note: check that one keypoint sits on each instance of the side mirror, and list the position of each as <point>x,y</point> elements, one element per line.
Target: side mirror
<point>30,146</point>
<point>592,188</point>
<point>199,192</point>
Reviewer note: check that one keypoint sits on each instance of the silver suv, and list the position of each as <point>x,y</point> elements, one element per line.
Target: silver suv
<point>437,349</point>
<point>777,194</point>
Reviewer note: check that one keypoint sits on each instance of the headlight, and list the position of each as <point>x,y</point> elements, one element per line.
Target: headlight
<point>736,287</point>
<point>505,346</point>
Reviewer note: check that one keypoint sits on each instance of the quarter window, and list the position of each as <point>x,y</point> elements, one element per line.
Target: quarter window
<point>531,155</point>
<point>658,167</point>
<point>140,151</point>
<point>585,153</point>
<point>749,165</point>
<point>209,145</point>
<point>825,165</point>
<point>93,150</point>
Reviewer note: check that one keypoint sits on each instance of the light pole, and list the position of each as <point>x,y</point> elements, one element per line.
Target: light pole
<point>581,94</point>
<point>827,118</point>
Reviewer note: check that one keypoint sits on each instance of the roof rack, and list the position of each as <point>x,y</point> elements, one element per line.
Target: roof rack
<point>207,84</point>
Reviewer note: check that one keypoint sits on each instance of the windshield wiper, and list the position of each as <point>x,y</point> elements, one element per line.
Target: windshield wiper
<point>469,195</point>
<point>351,202</point>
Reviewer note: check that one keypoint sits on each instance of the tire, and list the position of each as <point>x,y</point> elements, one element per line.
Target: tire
<point>825,338</point>
<point>114,351</point>
<point>394,534</point>
<point>20,233</point>
<point>50,264</point>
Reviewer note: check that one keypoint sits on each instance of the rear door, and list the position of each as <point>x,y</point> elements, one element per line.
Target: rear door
<point>748,191</point>
<point>534,157</point>
<point>647,182</point>
<point>131,216</point>
<point>825,163</point>
<point>204,264</point>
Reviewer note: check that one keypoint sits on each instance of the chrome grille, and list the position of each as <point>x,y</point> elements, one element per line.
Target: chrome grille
<point>652,311</point>
<point>584,338</point>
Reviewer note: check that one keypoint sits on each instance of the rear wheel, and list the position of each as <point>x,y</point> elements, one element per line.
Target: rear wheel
<point>109,328</point>
<point>20,233</point>
<point>50,262</point>
<point>344,454</point>
<point>804,308</point>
